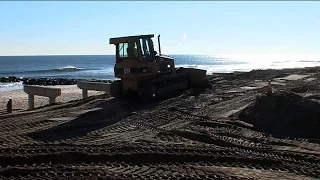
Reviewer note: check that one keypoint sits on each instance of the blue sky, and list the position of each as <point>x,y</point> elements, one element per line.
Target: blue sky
<point>49,28</point>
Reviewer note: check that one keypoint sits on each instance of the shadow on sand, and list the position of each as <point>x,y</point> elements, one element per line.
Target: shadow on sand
<point>108,113</point>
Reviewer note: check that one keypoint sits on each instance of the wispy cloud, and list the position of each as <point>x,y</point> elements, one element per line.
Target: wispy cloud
<point>184,35</point>
<point>195,13</point>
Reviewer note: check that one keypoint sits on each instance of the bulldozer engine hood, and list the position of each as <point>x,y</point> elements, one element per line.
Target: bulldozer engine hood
<point>131,70</point>
<point>163,57</point>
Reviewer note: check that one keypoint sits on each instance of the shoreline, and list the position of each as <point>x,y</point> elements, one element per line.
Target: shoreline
<point>46,81</point>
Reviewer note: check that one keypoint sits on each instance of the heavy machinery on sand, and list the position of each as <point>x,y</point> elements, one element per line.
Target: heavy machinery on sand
<point>149,74</point>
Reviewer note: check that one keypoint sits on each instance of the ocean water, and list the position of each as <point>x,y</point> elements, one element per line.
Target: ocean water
<point>101,66</point>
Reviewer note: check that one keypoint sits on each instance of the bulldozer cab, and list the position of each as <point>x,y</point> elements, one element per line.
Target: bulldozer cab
<point>134,48</point>
<point>136,57</point>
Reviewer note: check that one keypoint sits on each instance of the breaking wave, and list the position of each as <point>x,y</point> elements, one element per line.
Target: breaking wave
<point>11,86</point>
<point>55,70</point>
<point>64,69</point>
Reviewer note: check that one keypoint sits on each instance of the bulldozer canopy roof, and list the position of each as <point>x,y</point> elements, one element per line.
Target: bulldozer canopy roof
<point>117,40</point>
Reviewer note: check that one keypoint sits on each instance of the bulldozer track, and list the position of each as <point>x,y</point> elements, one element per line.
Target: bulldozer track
<point>32,127</point>
<point>122,171</point>
<point>230,135</point>
<point>89,156</point>
<point>105,149</point>
<point>201,157</point>
<point>169,137</point>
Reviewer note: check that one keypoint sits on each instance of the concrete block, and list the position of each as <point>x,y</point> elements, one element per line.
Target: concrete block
<point>95,86</point>
<point>31,90</point>
<point>42,91</point>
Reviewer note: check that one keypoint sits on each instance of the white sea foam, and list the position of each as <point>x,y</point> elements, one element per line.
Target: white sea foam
<point>11,86</point>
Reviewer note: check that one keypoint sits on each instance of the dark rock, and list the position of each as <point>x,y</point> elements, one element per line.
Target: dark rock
<point>32,81</point>
<point>3,79</point>
<point>10,79</point>
<point>48,81</point>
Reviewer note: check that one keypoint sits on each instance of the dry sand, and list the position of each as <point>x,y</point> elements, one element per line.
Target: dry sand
<point>20,98</point>
<point>231,131</point>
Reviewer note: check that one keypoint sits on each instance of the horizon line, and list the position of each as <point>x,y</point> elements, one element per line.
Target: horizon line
<point>86,54</point>
<point>165,54</point>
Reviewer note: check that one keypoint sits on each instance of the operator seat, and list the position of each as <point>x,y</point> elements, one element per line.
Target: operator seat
<point>132,51</point>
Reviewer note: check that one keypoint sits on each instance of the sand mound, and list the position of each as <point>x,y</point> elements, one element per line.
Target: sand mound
<point>285,114</point>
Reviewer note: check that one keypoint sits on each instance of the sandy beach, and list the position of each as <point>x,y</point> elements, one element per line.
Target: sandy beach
<point>232,131</point>
<point>20,98</point>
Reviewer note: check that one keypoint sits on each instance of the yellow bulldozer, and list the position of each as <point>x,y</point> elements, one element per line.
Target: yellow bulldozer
<point>145,72</point>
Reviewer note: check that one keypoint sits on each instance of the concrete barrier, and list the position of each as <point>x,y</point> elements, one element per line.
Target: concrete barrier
<point>31,90</point>
<point>95,86</point>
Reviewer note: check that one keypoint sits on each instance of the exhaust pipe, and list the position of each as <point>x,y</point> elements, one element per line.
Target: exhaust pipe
<point>159,44</point>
